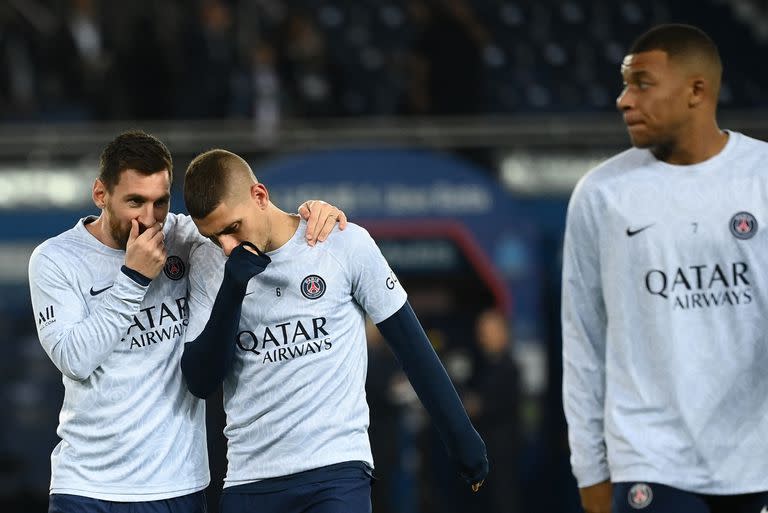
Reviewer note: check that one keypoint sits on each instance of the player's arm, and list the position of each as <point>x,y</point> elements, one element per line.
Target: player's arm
<point>321,218</point>
<point>377,290</point>
<point>596,498</point>
<point>584,325</point>
<point>429,379</point>
<point>208,356</point>
<point>78,341</point>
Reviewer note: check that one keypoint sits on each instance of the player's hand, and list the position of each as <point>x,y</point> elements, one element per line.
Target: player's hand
<point>597,498</point>
<point>473,465</point>
<point>245,262</point>
<point>321,217</point>
<point>145,253</point>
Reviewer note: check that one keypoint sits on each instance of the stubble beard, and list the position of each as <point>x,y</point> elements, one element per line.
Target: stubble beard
<point>118,233</point>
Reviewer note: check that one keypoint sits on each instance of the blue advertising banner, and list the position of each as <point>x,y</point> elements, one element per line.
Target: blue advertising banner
<point>434,206</point>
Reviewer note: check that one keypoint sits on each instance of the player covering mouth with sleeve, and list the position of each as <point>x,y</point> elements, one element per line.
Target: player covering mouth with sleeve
<point>282,326</point>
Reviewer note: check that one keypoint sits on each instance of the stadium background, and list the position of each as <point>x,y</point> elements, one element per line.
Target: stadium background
<point>453,130</point>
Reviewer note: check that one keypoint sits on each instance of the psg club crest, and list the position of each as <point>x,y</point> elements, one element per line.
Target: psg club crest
<point>640,495</point>
<point>743,225</point>
<point>313,286</point>
<point>174,267</point>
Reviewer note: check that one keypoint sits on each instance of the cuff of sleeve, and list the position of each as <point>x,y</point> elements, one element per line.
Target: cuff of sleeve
<point>136,276</point>
<point>588,476</point>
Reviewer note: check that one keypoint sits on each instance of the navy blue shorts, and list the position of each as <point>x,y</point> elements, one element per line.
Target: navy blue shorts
<point>64,503</point>
<point>341,488</point>
<point>658,498</point>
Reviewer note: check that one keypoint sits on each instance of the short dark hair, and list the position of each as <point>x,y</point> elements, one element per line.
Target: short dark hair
<point>206,181</point>
<point>137,150</point>
<point>678,40</point>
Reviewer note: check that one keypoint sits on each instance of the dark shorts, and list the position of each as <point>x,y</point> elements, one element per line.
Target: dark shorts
<point>657,498</point>
<point>342,488</point>
<point>64,503</point>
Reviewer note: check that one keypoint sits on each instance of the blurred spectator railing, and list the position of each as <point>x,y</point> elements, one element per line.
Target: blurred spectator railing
<point>21,142</point>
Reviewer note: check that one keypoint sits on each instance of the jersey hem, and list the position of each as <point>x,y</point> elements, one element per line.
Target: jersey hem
<point>243,481</point>
<point>702,488</point>
<point>122,496</point>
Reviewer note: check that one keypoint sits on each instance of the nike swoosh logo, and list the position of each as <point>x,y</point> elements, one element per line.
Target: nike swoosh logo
<point>97,292</point>
<point>632,233</point>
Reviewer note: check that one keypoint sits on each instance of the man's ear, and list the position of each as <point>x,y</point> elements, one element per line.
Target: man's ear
<point>698,92</point>
<point>99,194</point>
<point>260,194</point>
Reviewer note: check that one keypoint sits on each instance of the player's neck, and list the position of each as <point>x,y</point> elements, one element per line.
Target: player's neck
<point>694,147</point>
<point>99,229</point>
<point>283,227</point>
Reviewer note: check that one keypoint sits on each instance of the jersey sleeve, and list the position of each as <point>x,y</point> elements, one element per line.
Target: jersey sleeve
<point>584,345</point>
<point>206,270</point>
<point>79,340</point>
<point>374,285</point>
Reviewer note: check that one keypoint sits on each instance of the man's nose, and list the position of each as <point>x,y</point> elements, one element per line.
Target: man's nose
<point>623,101</point>
<point>147,217</point>
<point>228,244</point>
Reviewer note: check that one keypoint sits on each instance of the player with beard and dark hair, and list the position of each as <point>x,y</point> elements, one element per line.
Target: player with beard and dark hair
<point>129,156</point>
<point>109,296</point>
